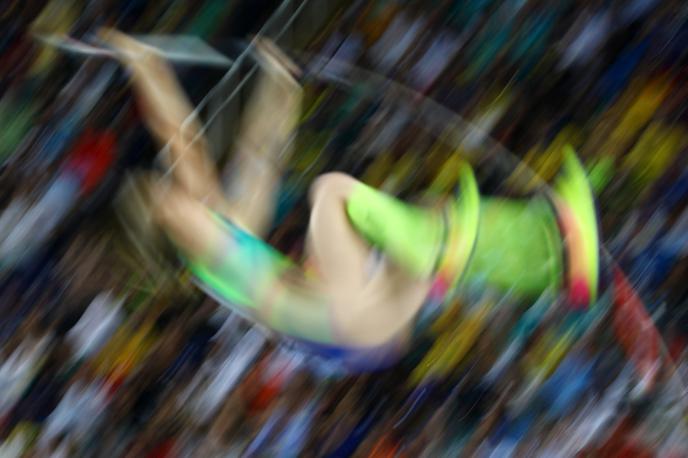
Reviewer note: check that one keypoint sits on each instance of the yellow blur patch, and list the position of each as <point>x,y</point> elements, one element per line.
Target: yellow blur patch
<point>451,347</point>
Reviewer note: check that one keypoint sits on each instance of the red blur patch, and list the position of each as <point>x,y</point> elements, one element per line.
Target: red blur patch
<point>635,329</point>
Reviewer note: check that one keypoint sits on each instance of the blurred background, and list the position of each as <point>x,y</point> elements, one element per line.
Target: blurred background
<point>107,348</point>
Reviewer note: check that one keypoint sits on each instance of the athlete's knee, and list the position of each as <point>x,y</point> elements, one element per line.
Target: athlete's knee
<point>334,185</point>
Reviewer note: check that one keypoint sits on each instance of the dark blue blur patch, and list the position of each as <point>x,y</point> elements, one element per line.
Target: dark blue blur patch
<point>39,401</point>
<point>354,439</point>
<point>567,386</point>
<point>353,360</point>
<point>192,355</point>
<point>616,79</point>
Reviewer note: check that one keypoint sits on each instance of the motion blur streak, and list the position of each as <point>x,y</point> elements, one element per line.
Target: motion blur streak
<point>108,347</point>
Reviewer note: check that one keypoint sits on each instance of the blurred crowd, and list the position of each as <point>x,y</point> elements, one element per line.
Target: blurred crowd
<point>104,354</point>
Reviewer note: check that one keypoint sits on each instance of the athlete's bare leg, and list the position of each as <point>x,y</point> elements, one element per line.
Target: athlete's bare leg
<point>262,147</point>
